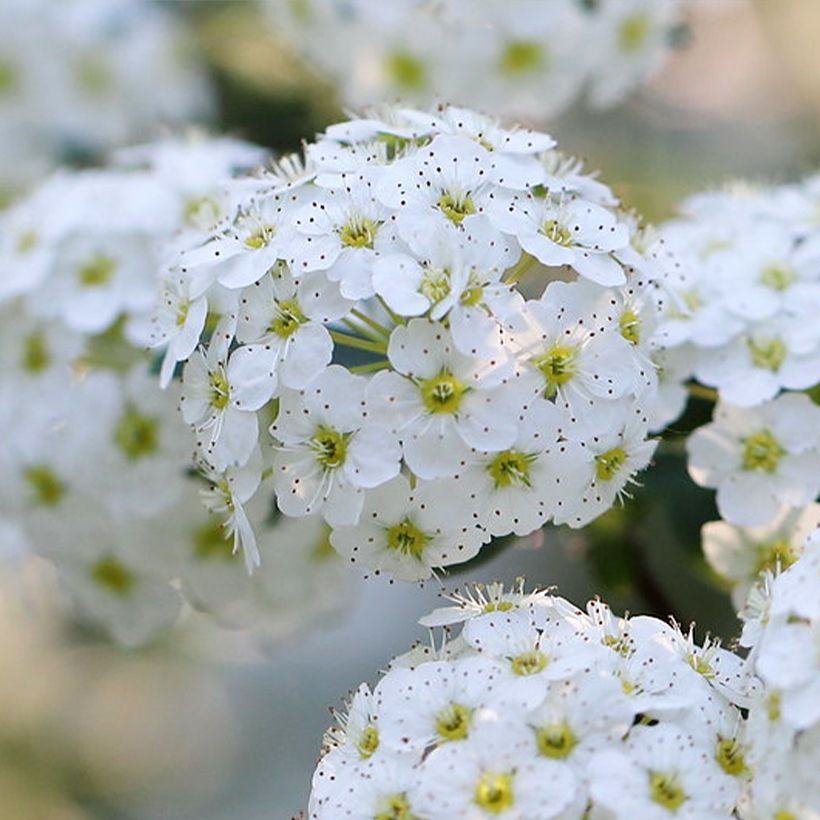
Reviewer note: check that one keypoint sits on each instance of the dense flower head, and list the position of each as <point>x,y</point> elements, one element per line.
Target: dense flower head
<point>782,629</point>
<point>433,329</point>
<point>740,280</point>
<point>537,709</point>
<point>517,58</point>
<point>95,457</point>
<point>82,76</point>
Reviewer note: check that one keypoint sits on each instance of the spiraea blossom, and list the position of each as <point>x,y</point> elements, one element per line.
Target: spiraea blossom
<point>84,76</point>
<point>359,319</point>
<point>95,457</point>
<point>782,630</point>
<point>518,58</point>
<point>538,710</point>
<point>740,284</point>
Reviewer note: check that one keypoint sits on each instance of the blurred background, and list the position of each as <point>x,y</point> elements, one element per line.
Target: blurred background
<point>209,726</point>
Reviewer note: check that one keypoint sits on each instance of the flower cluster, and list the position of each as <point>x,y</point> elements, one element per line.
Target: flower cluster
<point>516,58</point>
<point>540,710</point>
<point>367,310</point>
<point>85,75</point>
<point>94,457</point>
<point>739,284</point>
<point>783,733</point>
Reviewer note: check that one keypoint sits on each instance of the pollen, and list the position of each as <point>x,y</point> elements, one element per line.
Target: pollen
<point>558,366</point>
<point>435,285</point>
<point>360,232</point>
<point>558,233</point>
<point>729,756</point>
<point>630,326</point>
<point>220,390</point>
<point>287,319</point>
<point>768,354</point>
<point>395,807</point>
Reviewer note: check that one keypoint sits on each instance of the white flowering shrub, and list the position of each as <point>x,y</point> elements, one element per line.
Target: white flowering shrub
<point>95,458</point>
<point>86,75</point>
<point>517,58</point>
<point>374,359</point>
<point>537,709</point>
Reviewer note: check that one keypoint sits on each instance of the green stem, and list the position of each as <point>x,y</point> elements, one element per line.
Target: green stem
<point>363,331</point>
<point>700,392</point>
<point>370,367</point>
<point>524,265</point>
<point>377,326</point>
<point>360,344</point>
<point>394,317</point>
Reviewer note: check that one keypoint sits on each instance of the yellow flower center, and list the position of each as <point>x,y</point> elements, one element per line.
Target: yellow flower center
<point>8,78</point>
<point>762,452</point>
<point>511,469</point>
<point>633,32</point>
<point>774,554</point>
<point>556,741</point>
<point>330,447</point>
<point>630,326</point>
<point>665,790</point>
<point>453,722</point>
<point>395,807</point>
<point>27,241</point>
<point>558,233</point>
<point>261,237</point>
<point>220,390</point>
<point>498,606</point>
<point>456,206</point>
<point>287,319</point>
<point>558,365</point>
<point>93,75</point>
<point>494,792</point>
<point>529,663</point>
<point>768,354</point>
<point>442,393</point>
<point>609,464</point>
<point>136,435</point>
<point>472,296</point>
<point>48,489</point>
<point>406,71</point>
<point>201,211</point>
<point>368,742</point>
<point>407,539</point>
<point>97,271</point>
<point>435,285</point>
<point>360,232</point>
<point>729,755</point>
<point>523,57</point>
<point>36,357</point>
<point>777,277</point>
<point>113,576</point>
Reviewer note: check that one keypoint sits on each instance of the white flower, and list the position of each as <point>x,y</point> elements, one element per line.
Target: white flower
<point>220,397</point>
<point>661,774</point>
<point>759,458</point>
<point>281,323</point>
<point>408,532</point>
<point>330,449</point>
<point>570,232</point>
<point>441,403</point>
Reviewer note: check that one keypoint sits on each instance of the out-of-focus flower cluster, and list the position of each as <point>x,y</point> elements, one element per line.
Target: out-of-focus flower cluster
<point>739,275</point>
<point>94,457</point>
<point>86,75</point>
<point>371,354</point>
<point>519,58</point>
<point>539,710</point>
